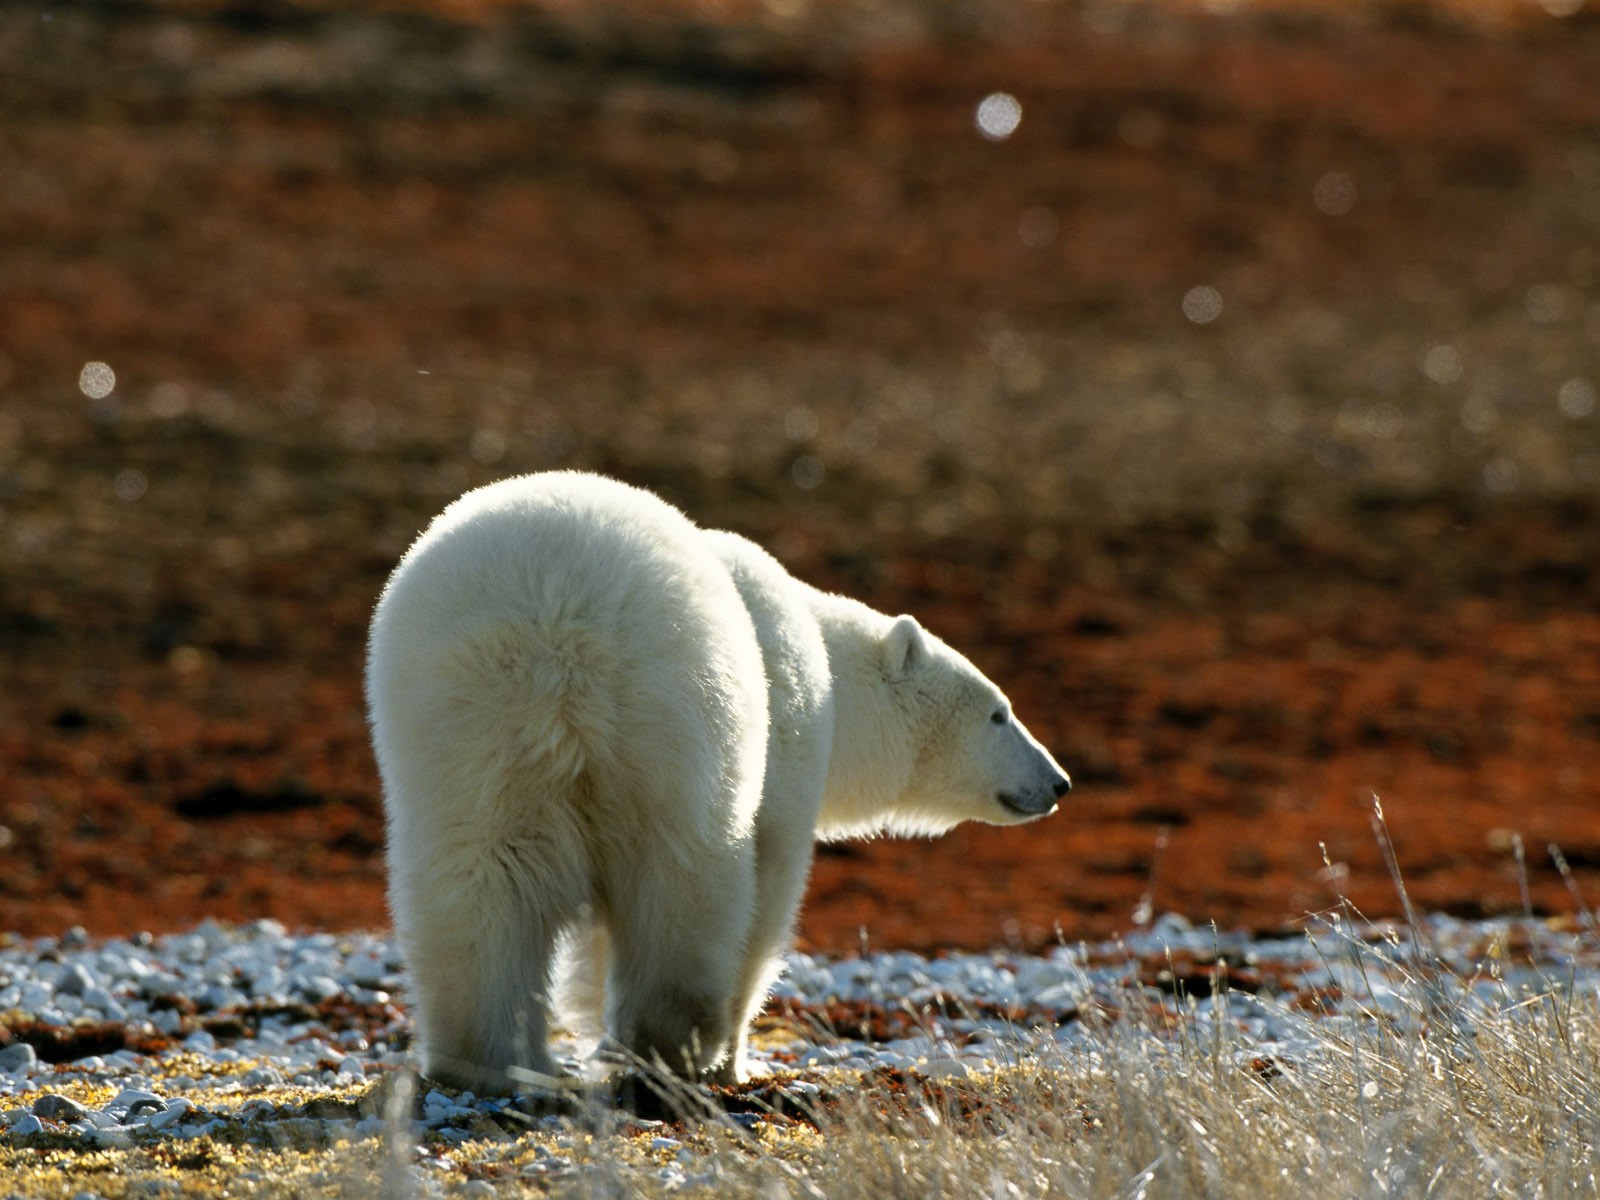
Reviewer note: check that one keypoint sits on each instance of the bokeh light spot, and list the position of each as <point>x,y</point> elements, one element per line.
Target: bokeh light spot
<point>1576,398</point>
<point>800,424</point>
<point>1502,475</point>
<point>168,401</point>
<point>1545,303</point>
<point>1442,363</point>
<point>130,485</point>
<point>807,471</point>
<point>1202,305</point>
<point>96,380</point>
<point>998,116</point>
<point>488,446</point>
<point>1141,128</point>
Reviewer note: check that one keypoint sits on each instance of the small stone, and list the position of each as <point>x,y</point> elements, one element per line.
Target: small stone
<point>351,1066</point>
<point>74,981</point>
<point>35,995</point>
<point>946,1068</point>
<point>26,1125</point>
<point>140,1112</point>
<point>103,1002</point>
<point>53,1107</point>
<point>18,1059</point>
<point>174,1112</point>
<point>128,1097</point>
<point>318,987</point>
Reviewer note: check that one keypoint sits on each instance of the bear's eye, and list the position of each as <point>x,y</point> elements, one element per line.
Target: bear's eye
<point>998,717</point>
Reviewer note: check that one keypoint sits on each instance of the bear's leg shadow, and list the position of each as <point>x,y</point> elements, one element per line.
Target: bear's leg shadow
<point>677,939</point>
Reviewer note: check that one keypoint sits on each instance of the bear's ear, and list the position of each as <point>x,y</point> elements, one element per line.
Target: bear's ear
<point>903,649</point>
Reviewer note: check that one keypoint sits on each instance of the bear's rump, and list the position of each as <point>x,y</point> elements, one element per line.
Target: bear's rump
<point>569,658</point>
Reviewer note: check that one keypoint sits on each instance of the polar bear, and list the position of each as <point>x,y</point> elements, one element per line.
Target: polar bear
<point>605,731</point>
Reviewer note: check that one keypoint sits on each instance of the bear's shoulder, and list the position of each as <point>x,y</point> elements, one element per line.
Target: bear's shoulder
<point>793,647</point>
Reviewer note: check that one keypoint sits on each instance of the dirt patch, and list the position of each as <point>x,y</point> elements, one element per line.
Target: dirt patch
<point>1236,411</point>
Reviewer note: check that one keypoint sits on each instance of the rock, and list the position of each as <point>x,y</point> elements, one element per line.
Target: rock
<point>26,1126</point>
<point>75,980</point>
<point>129,1097</point>
<point>53,1107</point>
<point>18,1059</point>
<point>103,1002</point>
<point>261,1077</point>
<point>175,1111</point>
<point>946,1068</point>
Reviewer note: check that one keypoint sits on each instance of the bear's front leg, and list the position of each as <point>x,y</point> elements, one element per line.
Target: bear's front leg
<point>783,861</point>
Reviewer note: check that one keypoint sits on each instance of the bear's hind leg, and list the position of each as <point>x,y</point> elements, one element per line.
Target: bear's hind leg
<point>676,951</point>
<point>481,976</point>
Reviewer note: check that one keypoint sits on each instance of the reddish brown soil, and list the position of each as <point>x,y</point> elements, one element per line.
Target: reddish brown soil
<point>1241,575</point>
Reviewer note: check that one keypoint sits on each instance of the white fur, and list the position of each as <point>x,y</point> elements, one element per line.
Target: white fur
<point>603,728</point>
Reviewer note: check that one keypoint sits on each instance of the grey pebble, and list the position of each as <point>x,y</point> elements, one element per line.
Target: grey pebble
<point>140,1108</point>
<point>26,1125</point>
<point>74,981</point>
<point>172,1113</point>
<point>131,1098</point>
<point>18,1059</point>
<point>53,1107</point>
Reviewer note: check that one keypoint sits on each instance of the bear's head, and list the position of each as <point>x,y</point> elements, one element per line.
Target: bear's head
<point>972,759</point>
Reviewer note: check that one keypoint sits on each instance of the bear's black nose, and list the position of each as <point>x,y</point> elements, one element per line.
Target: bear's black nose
<point>1063,786</point>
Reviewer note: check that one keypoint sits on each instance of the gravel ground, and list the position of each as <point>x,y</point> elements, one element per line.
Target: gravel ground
<point>262,1037</point>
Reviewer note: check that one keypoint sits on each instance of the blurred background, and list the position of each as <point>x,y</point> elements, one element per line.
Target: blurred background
<point>1220,377</point>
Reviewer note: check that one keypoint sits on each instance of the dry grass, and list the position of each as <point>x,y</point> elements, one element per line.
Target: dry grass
<point>1459,1099</point>
<point>1440,1086</point>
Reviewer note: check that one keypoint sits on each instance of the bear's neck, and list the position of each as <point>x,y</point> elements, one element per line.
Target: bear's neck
<point>870,762</point>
